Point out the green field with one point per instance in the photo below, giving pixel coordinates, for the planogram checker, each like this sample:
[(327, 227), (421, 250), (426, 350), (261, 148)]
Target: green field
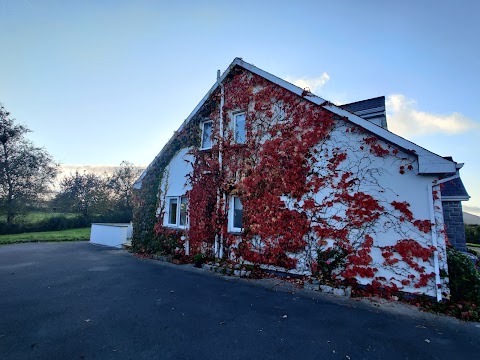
[(37, 216), (64, 235)]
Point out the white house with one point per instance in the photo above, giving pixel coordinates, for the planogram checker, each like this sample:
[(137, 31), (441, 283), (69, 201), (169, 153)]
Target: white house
[(268, 173)]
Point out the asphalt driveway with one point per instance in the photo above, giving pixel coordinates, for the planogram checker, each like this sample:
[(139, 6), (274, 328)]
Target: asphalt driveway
[(80, 301)]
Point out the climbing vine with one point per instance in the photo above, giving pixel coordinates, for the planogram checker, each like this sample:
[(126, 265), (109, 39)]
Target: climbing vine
[(148, 207), (309, 182)]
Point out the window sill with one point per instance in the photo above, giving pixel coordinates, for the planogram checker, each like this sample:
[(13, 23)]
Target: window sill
[(173, 226), (235, 231)]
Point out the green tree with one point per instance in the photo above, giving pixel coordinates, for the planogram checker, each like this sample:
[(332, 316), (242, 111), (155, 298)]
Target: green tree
[(26, 172), (121, 182), (472, 234), (85, 194)]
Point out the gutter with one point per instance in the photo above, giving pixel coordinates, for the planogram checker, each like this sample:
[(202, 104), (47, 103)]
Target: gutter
[(434, 234)]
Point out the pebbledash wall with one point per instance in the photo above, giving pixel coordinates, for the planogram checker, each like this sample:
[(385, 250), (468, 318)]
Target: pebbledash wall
[(387, 183), (406, 242), (380, 176)]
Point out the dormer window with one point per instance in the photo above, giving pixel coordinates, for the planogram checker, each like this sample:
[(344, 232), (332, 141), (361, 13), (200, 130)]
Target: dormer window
[(239, 128), (206, 135)]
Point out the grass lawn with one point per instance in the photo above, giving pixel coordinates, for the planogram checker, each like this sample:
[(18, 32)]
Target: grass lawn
[(64, 235)]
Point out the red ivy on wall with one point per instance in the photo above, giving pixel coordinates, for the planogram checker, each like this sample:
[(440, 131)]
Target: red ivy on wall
[(286, 161)]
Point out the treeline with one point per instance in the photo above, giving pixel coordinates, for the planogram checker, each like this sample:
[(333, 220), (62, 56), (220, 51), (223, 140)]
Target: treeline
[(472, 234), (29, 184), (88, 194)]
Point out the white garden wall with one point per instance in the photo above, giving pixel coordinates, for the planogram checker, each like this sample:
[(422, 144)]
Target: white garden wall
[(108, 234)]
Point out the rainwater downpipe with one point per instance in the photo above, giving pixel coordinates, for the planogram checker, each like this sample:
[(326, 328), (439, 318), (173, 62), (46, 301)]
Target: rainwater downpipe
[(219, 238), (434, 234)]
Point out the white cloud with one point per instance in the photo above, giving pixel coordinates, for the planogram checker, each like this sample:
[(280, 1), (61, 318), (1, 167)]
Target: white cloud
[(404, 119), (93, 169), (99, 170), (67, 169), (313, 84)]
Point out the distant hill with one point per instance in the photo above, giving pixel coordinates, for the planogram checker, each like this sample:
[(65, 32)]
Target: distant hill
[(470, 219)]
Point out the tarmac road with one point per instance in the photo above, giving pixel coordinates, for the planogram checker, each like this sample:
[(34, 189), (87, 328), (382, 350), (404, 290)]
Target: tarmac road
[(80, 301)]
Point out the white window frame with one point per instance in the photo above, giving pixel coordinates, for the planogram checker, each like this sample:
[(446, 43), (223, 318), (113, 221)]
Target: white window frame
[(178, 213), (202, 124), (234, 123), (231, 214)]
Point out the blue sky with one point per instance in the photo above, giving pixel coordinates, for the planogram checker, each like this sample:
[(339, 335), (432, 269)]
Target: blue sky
[(99, 82)]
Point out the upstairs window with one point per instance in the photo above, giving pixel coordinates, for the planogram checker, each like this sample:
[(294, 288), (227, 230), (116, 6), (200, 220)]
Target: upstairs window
[(206, 135), (177, 211), (239, 128), (235, 218)]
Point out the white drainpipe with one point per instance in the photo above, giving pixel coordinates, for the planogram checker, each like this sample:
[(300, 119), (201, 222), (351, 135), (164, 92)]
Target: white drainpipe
[(222, 101), (434, 234), (219, 239)]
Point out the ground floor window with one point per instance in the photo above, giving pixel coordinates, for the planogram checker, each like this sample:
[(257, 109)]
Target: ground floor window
[(177, 211), (235, 218)]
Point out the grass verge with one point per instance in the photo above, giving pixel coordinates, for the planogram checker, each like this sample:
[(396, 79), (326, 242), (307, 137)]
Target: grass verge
[(64, 235)]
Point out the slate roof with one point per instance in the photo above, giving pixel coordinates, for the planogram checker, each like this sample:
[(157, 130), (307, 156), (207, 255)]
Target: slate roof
[(362, 105), (371, 109), (454, 189)]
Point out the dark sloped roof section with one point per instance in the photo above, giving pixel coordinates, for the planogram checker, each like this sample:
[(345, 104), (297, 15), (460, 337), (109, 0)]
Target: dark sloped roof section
[(365, 104), (454, 189), (372, 110)]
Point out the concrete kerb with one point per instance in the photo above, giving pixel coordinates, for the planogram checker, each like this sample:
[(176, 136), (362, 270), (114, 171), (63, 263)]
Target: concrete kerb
[(373, 304)]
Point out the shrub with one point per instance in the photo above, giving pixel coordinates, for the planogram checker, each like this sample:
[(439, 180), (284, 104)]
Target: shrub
[(472, 234), (329, 262), (199, 259), (165, 241), (464, 278)]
